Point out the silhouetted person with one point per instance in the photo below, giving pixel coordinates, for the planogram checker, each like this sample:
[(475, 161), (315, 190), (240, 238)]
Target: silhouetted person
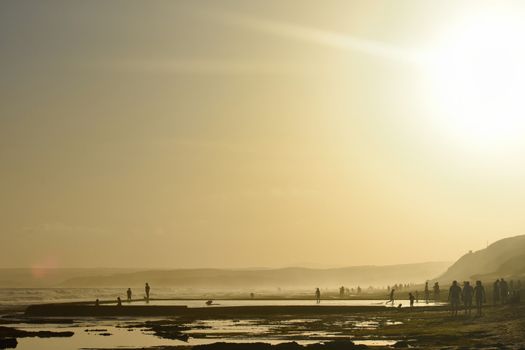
[(411, 297), (437, 292), (504, 291), (342, 292), (427, 293), (318, 295), (479, 296), (467, 295), (252, 295), (417, 296), (391, 298), (128, 292), (209, 302), (495, 292), (454, 297), (119, 302), (147, 289), (97, 302)]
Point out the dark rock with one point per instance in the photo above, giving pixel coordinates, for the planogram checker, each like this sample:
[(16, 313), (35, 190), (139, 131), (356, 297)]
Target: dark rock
[(401, 344), (234, 346), (336, 345), (8, 332), (96, 330), (8, 343)]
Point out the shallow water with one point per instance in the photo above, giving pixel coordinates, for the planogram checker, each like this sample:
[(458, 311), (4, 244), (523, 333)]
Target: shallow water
[(89, 333), (276, 302)]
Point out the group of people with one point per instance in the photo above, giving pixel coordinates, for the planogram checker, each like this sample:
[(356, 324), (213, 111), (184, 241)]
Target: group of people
[(129, 295), (504, 293), (466, 295)]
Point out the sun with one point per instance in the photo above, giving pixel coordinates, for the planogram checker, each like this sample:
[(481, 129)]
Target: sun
[(477, 75)]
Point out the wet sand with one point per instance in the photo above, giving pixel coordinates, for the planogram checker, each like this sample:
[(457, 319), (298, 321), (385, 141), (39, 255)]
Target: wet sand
[(420, 328)]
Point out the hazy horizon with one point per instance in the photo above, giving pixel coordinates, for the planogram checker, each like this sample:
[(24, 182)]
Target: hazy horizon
[(233, 133)]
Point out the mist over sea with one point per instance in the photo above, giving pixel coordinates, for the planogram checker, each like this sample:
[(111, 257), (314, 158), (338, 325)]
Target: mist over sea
[(27, 296)]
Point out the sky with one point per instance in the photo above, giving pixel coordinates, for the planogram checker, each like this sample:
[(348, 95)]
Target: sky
[(233, 133)]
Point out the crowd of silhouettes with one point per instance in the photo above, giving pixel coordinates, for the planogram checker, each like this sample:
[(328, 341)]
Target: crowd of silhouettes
[(503, 293)]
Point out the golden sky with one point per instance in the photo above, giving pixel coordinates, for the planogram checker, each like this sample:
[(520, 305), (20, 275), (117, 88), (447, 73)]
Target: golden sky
[(259, 133)]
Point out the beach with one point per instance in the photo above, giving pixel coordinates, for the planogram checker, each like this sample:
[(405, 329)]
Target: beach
[(288, 325)]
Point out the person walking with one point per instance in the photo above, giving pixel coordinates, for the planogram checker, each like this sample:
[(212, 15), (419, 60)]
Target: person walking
[(391, 298)]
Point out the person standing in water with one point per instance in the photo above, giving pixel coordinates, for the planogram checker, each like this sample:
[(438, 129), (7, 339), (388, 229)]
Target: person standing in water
[(318, 295), (479, 296), (147, 289), (391, 299), (128, 292), (466, 294)]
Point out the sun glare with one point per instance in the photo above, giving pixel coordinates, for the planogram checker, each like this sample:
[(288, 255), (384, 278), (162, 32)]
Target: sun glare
[(478, 73)]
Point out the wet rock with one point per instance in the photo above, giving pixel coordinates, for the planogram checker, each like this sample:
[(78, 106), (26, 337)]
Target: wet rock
[(9, 332), (401, 344), (236, 346), (95, 330), (8, 343), (334, 345)]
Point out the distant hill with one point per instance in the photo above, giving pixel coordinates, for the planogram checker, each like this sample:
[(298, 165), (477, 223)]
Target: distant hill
[(504, 258), (293, 277)]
